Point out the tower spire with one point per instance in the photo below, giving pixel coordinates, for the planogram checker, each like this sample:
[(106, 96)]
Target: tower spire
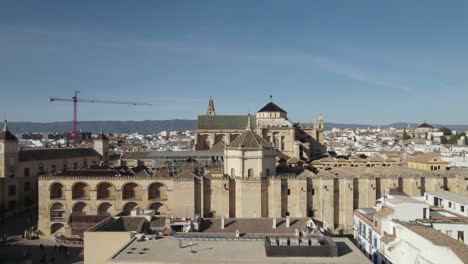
[(5, 125), (249, 126), (271, 98), (211, 108)]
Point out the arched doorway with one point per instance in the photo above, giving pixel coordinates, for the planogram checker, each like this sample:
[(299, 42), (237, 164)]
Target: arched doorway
[(105, 191), (57, 228), (131, 191), (104, 208), (129, 207), (157, 191), (57, 191), (159, 208), (81, 208), (80, 191), (57, 212)]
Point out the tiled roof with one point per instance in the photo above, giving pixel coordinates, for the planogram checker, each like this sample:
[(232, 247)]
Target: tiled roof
[(6, 134), (135, 155), (427, 158), (438, 238), (218, 147), (224, 121), (57, 153), (271, 107), (98, 172), (101, 136), (126, 223), (250, 139), (424, 125)]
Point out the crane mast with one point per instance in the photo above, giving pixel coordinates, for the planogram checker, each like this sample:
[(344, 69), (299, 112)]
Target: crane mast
[(75, 101)]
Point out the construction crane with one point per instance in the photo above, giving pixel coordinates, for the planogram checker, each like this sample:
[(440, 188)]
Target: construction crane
[(75, 101)]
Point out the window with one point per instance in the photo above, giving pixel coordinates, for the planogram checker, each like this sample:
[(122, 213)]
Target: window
[(375, 242), (12, 171), (26, 172), (75, 165), (462, 208), (53, 168), (426, 197), (461, 236), (85, 163), (11, 205), (450, 204), (40, 169), (282, 143), (233, 172), (425, 213), (11, 190), (449, 233), (65, 166), (289, 191), (250, 173), (267, 172), (27, 186)]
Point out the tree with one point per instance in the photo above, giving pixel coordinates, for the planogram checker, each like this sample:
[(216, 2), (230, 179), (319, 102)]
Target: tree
[(405, 135), (454, 138), (443, 140), (446, 131)]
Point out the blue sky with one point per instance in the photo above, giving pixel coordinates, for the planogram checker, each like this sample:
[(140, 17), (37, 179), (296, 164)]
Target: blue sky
[(369, 62)]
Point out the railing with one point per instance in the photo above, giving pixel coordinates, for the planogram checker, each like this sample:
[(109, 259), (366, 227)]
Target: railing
[(57, 219), (57, 197)]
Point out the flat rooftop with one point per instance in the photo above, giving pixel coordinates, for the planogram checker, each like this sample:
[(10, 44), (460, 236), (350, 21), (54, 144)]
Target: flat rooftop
[(167, 250), (250, 226), (450, 196)]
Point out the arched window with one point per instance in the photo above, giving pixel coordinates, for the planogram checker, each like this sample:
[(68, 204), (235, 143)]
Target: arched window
[(267, 172), (250, 173), (233, 172), (57, 191), (57, 211)]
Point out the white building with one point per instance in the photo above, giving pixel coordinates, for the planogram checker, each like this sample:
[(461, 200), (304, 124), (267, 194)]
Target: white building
[(417, 243), (449, 201), (373, 227), (403, 229)]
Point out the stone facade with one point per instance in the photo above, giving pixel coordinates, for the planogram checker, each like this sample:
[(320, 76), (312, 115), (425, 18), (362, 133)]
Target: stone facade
[(19, 169), (299, 141)]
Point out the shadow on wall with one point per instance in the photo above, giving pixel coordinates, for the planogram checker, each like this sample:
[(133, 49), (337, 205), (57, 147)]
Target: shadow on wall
[(343, 249)]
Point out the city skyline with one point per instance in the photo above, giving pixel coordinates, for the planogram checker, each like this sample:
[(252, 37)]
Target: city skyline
[(368, 63)]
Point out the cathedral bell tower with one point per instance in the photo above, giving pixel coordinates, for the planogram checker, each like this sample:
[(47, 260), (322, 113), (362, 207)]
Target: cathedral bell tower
[(9, 155), (249, 161), (211, 108), (101, 145)]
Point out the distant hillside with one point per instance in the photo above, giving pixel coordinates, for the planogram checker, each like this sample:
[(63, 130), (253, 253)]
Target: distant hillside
[(155, 126), (146, 126), (399, 125)]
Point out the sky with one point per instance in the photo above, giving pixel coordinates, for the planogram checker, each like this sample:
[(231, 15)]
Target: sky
[(368, 62)]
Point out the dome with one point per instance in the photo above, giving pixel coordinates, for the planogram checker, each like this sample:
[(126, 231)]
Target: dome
[(424, 125)]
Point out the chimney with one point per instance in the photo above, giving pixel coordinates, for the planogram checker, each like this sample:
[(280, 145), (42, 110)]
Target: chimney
[(274, 223), (222, 222), (287, 221)]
